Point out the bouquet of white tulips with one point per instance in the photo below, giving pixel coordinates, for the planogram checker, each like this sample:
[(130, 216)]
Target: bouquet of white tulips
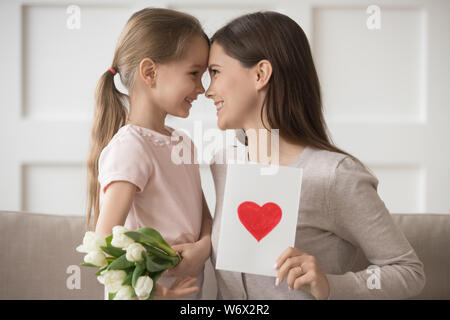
[(130, 262)]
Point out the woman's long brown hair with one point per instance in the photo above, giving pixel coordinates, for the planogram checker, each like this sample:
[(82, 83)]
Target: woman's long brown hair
[(293, 103), (156, 33)]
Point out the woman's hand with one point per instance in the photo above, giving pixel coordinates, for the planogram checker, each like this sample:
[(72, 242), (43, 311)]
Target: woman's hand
[(194, 257), (181, 287), (301, 269)]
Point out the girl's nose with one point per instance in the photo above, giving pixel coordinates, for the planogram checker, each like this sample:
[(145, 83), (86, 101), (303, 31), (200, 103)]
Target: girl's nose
[(202, 89)]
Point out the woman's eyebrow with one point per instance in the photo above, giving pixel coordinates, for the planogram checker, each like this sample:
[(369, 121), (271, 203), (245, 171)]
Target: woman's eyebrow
[(213, 65)]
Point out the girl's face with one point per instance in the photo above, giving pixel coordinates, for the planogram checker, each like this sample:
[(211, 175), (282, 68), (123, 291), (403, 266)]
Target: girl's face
[(178, 83), (233, 90)]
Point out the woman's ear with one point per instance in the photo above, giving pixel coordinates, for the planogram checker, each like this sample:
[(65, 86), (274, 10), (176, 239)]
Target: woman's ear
[(263, 72), (147, 71)]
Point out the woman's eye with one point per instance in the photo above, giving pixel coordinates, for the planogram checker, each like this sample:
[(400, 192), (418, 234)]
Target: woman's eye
[(214, 71), (194, 73)]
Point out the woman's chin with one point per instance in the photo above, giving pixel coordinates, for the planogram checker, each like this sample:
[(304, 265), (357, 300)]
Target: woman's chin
[(221, 124)]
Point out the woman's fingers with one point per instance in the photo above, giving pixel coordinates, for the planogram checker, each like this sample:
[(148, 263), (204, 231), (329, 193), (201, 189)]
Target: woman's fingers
[(303, 280), (287, 265), (289, 252), (293, 274)]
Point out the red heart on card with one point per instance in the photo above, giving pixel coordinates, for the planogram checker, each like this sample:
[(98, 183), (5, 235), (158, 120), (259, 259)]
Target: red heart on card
[(259, 221)]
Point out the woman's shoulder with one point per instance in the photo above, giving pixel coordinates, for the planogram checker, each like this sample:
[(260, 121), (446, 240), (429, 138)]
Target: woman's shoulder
[(331, 168), (344, 170), (332, 160)]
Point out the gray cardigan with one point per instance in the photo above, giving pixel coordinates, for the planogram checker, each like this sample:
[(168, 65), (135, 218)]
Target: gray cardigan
[(340, 210)]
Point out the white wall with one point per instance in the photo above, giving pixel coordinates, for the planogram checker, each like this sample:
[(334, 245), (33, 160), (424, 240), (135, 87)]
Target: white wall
[(385, 92)]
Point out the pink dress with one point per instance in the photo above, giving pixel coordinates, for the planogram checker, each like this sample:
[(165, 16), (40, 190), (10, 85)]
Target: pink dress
[(169, 196)]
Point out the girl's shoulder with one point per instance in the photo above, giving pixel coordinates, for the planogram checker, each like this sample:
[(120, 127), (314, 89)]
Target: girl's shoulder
[(125, 142)]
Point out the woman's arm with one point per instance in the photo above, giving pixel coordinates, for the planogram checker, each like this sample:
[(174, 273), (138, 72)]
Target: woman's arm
[(362, 218)]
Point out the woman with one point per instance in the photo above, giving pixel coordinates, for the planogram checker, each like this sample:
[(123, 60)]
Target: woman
[(263, 77)]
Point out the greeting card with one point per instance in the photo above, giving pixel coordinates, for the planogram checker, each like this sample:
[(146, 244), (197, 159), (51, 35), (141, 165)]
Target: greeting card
[(259, 217)]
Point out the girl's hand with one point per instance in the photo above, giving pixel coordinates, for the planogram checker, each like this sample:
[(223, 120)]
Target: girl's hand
[(181, 287), (302, 269), (194, 257)]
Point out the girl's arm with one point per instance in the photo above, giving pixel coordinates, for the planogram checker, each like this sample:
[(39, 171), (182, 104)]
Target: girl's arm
[(115, 207), (116, 204), (205, 233), (195, 254)]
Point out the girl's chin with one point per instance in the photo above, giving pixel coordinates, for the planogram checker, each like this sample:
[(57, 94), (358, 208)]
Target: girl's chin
[(185, 114)]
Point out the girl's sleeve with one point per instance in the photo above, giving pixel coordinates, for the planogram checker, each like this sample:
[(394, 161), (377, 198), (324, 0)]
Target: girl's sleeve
[(124, 160), (362, 218)]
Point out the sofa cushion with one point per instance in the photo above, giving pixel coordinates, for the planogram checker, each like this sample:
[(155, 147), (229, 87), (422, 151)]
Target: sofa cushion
[(429, 235), (38, 258)]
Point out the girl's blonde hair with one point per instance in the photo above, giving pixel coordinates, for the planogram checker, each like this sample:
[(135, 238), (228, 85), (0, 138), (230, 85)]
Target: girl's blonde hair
[(156, 33)]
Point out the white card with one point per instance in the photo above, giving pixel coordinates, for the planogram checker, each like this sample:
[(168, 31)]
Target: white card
[(259, 217)]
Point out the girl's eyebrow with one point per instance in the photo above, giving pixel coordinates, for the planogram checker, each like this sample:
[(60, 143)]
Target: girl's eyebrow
[(198, 66)]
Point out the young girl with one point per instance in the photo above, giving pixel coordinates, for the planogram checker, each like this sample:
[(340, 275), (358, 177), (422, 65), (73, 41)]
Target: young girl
[(263, 77), (160, 57)]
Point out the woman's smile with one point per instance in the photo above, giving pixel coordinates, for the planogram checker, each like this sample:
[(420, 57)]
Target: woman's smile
[(219, 106)]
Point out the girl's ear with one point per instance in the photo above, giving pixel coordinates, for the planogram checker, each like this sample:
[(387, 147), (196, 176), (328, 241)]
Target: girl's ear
[(263, 72), (147, 71)]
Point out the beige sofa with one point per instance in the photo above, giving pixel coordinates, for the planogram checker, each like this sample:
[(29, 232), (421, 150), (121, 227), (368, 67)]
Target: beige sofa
[(39, 261)]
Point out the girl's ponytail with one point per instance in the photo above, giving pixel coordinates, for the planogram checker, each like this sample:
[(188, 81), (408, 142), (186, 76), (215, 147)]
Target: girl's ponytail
[(157, 33), (110, 114)]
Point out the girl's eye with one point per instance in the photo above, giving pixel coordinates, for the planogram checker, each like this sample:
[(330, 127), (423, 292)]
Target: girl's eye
[(214, 71), (194, 73)]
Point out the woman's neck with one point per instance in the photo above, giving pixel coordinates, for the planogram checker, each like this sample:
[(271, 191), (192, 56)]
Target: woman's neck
[(269, 147)]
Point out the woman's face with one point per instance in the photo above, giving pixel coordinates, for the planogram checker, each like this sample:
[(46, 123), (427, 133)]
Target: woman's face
[(233, 90)]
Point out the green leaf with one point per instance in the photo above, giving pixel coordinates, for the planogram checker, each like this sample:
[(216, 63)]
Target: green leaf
[(153, 234), (127, 280), (108, 240), (86, 264), (161, 254), (110, 259), (151, 237), (100, 270), (111, 296), (120, 263), (155, 264), (140, 268), (155, 276), (113, 251)]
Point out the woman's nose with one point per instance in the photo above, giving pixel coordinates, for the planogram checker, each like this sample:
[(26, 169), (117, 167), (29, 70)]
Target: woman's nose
[(209, 93)]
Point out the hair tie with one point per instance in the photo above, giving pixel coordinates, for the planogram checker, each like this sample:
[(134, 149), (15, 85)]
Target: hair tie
[(112, 70)]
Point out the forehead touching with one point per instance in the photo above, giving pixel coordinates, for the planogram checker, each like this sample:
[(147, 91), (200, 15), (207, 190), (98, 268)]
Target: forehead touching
[(196, 55), (219, 58)]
